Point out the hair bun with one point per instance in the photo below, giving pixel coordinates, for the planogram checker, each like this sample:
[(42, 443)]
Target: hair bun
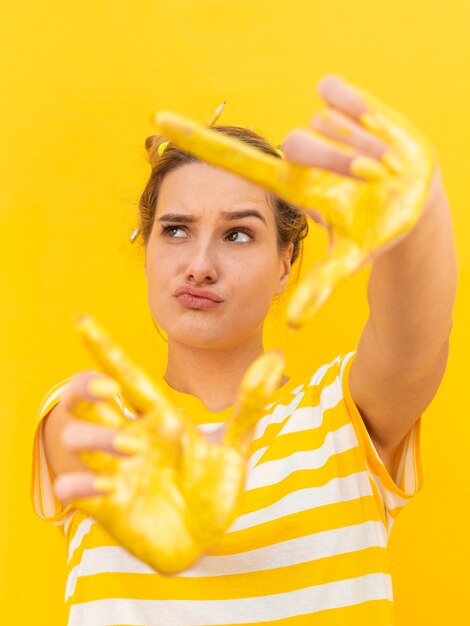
[(150, 141), (151, 145)]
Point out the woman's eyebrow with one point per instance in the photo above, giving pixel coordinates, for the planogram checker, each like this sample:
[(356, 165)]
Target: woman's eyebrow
[(228, 215), (236, 215), (176, 217)]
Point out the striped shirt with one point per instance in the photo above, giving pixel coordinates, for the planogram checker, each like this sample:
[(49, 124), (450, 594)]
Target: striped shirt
[(308, 547)]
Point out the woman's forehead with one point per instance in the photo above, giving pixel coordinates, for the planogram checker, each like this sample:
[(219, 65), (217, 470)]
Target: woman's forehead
[(198, 186)]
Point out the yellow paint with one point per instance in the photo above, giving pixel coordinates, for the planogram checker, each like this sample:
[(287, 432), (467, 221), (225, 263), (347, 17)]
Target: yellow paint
[(100, 412), (369, 121), (104, 484), (345, 131), (103, 387), (392, 161), (123, 442), (367, 168), (261, 379), (345, 258), (170, 472), (162, 147), (334, 143)]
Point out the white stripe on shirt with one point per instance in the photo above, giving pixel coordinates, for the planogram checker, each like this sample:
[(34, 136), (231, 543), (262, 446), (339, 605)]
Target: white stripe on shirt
[(332, 595), (312, 547), (272, 472), (344, 489)]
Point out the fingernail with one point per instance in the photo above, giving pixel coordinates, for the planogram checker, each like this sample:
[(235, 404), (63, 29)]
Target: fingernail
[(370, 122), (367, 168), (103, 387), (393, 162), (123, 442), (103, 484)]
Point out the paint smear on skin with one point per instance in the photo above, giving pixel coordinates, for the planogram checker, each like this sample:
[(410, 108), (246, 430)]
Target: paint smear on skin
[(334, 143), (326, 117), (344, 131)]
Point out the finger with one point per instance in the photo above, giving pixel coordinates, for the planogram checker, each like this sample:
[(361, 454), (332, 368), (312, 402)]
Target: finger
[(136, 385), (221, 150), (98, 461), (304, 147), (101, 447), (77, 485), (162, 417), (407, 142), (97, 446), (339, 94), (100, 412), (355, 103), (303, 186), (308, 148), (404, 139), (78, 436), (259, 382), (94, 397), (346, 257), (339, 126)]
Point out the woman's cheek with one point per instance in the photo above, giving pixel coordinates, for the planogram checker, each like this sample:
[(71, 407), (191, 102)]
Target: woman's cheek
[(258, 294), (159, 299)]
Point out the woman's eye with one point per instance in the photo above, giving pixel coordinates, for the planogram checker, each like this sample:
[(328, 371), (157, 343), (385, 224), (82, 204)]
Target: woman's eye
[(168, 229), (247, 234)]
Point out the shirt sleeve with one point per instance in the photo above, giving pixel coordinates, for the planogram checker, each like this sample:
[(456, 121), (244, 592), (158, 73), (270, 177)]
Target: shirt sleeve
[(392, 491), (45, 503)]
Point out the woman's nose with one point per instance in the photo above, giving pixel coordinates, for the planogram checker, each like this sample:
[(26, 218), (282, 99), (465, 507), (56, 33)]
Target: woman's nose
[(201, 263)]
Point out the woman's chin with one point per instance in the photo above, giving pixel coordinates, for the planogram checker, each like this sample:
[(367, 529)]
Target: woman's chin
[(213, 338)]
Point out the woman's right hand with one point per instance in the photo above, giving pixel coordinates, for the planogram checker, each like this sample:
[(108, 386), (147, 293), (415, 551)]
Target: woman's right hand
[(369, 188)]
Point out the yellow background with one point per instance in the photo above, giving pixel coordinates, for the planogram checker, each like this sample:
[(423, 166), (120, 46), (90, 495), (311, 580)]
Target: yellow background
[(79, 84)]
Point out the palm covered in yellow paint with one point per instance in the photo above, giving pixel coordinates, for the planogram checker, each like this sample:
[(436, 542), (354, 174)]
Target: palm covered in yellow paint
[(365, 207), (173, 493)]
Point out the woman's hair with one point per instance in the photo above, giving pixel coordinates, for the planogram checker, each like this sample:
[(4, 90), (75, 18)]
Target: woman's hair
[(291, 222)]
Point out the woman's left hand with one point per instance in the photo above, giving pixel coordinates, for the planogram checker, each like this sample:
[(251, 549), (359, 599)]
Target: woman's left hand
[(164, 489), (361, 169)]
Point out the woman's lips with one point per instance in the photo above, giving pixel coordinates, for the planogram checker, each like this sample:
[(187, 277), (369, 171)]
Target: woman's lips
[(194, 302), (197, 298)]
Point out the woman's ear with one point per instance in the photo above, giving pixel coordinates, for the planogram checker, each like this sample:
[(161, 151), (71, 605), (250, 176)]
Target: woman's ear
[(285, 267)]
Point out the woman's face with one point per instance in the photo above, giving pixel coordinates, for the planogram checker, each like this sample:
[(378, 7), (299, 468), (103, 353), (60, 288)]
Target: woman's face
[(235, 258)]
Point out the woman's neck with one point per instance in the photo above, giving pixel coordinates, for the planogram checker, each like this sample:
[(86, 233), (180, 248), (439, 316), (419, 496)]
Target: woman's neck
[(213, 376)]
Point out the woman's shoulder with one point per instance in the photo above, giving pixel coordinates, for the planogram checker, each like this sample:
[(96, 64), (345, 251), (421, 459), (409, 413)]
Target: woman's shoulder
[(320, 375), (318, 388)]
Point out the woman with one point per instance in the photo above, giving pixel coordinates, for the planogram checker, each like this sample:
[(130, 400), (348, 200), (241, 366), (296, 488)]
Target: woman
[(334, 458)]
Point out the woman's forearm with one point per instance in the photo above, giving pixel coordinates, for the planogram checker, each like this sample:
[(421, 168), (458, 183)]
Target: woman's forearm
[(412, 288)]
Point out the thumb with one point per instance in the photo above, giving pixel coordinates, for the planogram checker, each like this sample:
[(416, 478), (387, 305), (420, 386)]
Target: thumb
[(346, 257), (259, 382)]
